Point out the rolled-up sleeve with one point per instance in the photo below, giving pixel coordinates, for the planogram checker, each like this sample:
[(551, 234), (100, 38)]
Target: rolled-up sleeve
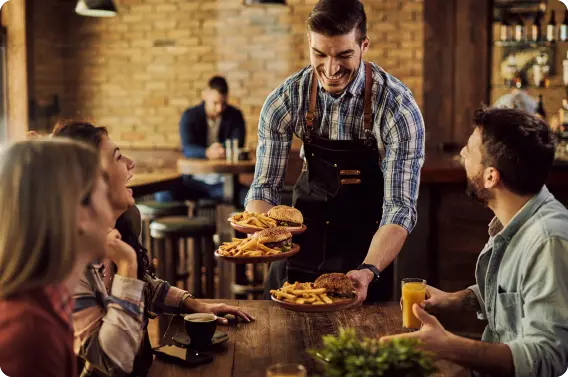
[(162, 298), (481, 313), (543, 348), (274, 141), (403, 136)]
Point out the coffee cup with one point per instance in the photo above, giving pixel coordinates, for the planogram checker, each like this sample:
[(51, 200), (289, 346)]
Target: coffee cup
[(200, 327)]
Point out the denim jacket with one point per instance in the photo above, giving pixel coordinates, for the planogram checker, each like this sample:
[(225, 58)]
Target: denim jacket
[(522, 286)]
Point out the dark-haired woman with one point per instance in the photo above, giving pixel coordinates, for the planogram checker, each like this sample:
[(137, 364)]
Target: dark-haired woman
[(118, 295)]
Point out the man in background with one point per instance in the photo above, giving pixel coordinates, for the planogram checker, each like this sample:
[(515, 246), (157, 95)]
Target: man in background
[(204, 130)]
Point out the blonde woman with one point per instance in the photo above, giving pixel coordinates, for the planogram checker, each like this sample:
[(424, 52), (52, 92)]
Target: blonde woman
[(55, 212)]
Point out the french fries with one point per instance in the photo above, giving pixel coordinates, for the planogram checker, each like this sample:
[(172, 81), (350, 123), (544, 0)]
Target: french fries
[(248, 247), (302, 293), (253, 220)]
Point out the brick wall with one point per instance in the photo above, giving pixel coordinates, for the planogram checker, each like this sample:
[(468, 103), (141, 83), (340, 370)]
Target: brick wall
[(138, 72)]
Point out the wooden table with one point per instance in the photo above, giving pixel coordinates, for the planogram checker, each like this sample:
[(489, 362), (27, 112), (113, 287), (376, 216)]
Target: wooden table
[(149, 183), (231, 170), (281, 336)]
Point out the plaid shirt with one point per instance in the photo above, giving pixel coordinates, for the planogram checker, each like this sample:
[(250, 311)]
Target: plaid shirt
[(398, 129)]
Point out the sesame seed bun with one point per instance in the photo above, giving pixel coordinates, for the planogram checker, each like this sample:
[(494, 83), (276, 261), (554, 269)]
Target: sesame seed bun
[(286, 214), (272, 235)]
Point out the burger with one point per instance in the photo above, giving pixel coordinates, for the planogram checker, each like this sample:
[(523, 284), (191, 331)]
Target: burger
[(275, 238), (338, 285), (286, 216)]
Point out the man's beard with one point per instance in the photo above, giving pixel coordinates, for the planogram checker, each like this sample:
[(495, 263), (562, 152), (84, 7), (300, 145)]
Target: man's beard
[(476, 190)]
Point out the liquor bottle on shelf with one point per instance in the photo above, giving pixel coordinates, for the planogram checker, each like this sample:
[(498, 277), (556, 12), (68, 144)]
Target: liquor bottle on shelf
[(542, 70), (564, 28), (505, 29), (563, 131), (540, 108), (519, 29), (551, 30), (535, 34)]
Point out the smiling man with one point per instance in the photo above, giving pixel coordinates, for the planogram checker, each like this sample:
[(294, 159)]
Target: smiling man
[(521, 289), (363, 148)]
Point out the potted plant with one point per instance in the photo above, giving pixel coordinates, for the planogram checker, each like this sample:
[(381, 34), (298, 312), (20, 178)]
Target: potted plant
[(346, 356)]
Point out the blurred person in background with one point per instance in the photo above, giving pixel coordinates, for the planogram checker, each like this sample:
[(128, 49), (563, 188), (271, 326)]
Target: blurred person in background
[(204, 130)]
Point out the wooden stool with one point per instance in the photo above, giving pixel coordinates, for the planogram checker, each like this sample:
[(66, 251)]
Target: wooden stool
[(207, 207), (168, 232), (151, 210)]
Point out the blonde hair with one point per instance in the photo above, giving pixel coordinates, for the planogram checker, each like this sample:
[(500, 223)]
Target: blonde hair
[(42, 182)]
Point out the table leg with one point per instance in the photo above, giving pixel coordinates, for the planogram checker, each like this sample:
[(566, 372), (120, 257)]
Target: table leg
[(230, 189)]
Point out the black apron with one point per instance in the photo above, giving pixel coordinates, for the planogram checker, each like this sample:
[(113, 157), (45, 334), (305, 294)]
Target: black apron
[(340, 194)]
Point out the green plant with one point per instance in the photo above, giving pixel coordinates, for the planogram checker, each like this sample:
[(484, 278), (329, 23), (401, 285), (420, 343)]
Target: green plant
[(345, 356)]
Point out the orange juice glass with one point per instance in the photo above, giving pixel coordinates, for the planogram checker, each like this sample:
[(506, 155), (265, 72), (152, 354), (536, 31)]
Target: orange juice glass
[(413, 292)]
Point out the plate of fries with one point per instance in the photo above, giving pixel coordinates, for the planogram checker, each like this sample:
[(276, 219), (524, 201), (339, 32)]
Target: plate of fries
[(304, 297), (252, 222), (249, 250)]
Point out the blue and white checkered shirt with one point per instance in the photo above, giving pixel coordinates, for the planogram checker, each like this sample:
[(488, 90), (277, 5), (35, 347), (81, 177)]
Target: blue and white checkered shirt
[(398, 128)]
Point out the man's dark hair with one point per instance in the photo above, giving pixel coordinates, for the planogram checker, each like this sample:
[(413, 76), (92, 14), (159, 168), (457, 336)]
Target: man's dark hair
[(338, 17), (519, 145), (219, 84)]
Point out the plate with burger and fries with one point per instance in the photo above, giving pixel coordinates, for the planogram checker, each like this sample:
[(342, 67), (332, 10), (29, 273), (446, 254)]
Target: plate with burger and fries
[(328, 293), (266, 246), (278, 216)]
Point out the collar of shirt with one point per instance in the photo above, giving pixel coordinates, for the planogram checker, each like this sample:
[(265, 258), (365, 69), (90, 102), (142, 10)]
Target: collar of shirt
[(520, 218), (61, 301), (356, 86)]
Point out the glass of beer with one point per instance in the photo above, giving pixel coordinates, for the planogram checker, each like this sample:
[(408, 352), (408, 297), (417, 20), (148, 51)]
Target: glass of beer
[(286, 370), (413, 292)]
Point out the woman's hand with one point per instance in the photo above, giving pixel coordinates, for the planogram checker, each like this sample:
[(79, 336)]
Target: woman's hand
[(219, 310), (121, 254)]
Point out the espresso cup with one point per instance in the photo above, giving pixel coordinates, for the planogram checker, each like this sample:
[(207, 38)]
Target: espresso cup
[(200, 327)]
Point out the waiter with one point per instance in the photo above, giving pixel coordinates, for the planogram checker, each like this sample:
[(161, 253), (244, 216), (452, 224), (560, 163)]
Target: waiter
[(363, 148)]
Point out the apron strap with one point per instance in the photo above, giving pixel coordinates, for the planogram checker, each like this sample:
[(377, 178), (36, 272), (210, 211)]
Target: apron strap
[(368, 114), (310, 115), (368, 111)]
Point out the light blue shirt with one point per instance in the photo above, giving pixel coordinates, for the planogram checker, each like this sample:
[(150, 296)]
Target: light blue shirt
[(522, 286)]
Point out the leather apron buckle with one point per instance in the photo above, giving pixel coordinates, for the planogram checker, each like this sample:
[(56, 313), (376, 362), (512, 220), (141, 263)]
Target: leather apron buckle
[(350, 181)]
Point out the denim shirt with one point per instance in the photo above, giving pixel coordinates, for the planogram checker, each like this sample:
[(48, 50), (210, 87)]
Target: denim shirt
[(522, 286)]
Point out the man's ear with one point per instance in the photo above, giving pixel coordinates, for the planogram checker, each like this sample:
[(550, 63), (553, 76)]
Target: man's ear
[(491, 178), (365, 45)]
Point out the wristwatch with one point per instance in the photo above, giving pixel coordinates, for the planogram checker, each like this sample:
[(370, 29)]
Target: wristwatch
[(373, 269)]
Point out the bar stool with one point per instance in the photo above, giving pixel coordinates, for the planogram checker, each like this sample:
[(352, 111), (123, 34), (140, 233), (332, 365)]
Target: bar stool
[(151, 210), (207, 207), (168, 233)]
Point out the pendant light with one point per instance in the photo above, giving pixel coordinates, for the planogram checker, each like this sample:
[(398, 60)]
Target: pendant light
[(96, 8), (264, 2)]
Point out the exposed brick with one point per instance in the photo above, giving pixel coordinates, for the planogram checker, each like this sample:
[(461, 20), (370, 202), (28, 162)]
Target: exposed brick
[(137, 72)]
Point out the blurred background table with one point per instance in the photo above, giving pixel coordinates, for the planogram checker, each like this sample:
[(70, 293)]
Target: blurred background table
[(143, 184), (231, 170)]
